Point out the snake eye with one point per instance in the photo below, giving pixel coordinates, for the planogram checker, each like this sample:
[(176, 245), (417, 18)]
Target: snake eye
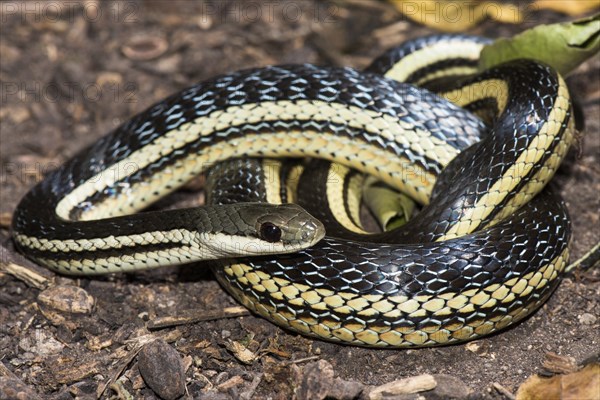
[(270, 232)]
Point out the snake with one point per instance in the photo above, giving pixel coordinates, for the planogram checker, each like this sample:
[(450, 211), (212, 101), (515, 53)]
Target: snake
[(488, 248)]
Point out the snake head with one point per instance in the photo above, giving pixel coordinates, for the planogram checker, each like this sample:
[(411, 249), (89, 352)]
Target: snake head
[(253, 229), (290, 225)]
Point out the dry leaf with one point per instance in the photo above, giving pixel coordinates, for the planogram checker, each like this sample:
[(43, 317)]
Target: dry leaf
[(584, 384)]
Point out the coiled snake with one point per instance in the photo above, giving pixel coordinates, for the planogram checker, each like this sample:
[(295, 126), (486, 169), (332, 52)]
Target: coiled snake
[(487, 249)]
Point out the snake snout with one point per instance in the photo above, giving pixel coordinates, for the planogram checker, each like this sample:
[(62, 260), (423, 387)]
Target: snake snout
[(313, 231), (302, 230)]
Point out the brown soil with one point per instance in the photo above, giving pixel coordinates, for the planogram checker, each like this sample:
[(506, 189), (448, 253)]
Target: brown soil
[(70, 74)]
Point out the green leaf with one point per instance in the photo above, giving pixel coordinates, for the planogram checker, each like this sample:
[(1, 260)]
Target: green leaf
[(390, 208), (563, 46)]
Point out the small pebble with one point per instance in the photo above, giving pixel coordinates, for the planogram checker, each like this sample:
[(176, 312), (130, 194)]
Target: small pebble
[(162, 369), (449, 387), (587, 319), (40, 343)]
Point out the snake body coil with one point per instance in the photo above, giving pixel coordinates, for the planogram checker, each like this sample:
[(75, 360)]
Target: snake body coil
[(482, 257)]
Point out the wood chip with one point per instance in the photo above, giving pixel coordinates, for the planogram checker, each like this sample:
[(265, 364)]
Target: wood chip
[(414, 384), (66, 371), (68, 299), (230, 383), (96, 343), (559, 364), (24, 274), (241, 352)]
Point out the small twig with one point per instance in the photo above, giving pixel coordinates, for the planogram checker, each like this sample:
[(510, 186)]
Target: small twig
[(197, 316), (503, 391), (136, 346), (301, 360), (118, 371)]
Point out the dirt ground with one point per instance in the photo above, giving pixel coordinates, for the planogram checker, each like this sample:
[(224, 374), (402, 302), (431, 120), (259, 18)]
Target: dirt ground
[(70, 72)]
